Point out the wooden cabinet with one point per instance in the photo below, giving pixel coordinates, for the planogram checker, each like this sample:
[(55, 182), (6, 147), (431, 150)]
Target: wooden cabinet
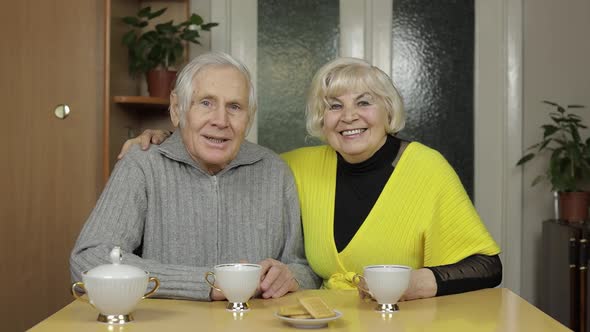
[(564, 273), (128, 109)]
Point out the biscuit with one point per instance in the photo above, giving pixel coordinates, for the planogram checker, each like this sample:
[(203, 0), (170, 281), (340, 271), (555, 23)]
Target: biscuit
[(317, 307), (293, 310)]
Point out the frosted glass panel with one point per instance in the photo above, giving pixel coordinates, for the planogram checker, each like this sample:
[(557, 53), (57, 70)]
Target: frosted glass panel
[(433, 43), (295, 38)]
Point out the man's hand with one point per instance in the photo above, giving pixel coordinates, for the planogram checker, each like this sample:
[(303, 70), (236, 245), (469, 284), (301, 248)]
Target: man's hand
[(216, 295), (149, 136), (276, 279)]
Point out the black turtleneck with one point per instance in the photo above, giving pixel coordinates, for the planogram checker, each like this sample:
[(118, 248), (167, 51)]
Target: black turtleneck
[(357, 188)]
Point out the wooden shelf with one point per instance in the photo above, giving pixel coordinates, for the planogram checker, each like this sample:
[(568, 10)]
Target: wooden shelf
[(142, 102)]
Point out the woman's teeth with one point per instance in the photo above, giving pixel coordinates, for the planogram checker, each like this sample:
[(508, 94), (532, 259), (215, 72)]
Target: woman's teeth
[(352, 132)]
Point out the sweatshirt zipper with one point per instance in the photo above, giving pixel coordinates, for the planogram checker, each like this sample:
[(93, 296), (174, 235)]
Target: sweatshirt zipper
[(218, 222)]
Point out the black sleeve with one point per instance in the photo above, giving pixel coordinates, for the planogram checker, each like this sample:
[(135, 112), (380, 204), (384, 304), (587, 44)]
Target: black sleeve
[(472, 273)]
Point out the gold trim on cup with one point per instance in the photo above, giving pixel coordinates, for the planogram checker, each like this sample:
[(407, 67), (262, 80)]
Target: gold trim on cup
[(387, 308), (237, 306), (156, 286), (115, 319), (75, 292), (211, 284)]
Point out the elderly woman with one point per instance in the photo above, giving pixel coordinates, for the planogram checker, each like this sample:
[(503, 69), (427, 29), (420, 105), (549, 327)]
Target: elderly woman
[(368, 197), (202, 198)]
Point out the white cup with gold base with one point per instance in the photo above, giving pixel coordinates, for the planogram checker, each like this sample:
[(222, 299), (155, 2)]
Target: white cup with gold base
[(237, 281), (115, 289)]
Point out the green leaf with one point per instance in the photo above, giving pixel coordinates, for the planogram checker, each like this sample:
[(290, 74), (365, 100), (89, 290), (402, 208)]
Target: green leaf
[(150, 37), (525, 158), (196, 19), (538, 179), (156, 14), (568, 120), (550, 103), (165, 27), (129, 38), (208, 26), (575, 133), (560, 109), (557, 120), (549, 130), (134, 21), (144, 12), (544, 144), (575, 106), (189, 34)]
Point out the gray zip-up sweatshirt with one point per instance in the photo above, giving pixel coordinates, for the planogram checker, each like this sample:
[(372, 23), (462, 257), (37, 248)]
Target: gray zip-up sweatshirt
[(187, 221)]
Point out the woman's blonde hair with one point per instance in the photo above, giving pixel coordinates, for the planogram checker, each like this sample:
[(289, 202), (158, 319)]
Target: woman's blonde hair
[(346, 75)]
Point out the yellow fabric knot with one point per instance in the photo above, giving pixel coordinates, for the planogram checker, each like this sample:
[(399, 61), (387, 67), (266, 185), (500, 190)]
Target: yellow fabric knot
[(340, 281)]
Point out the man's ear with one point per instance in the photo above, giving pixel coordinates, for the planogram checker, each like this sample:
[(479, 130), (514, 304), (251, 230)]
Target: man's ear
[(174, 112)]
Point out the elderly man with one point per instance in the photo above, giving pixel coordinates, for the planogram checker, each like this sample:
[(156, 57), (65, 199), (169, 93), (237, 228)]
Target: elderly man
[(203, 197)]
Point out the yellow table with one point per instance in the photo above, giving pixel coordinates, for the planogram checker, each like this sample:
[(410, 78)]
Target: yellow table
[(486, 310)]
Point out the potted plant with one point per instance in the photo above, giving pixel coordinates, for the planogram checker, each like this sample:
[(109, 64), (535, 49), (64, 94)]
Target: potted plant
[(156, 50), (569, 162)]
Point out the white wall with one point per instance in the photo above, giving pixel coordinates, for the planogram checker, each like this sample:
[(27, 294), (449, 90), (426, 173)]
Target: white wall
[(556, 64)]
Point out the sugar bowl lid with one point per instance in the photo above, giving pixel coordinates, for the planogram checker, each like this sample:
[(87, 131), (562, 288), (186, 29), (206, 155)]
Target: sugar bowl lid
[(116, 270)]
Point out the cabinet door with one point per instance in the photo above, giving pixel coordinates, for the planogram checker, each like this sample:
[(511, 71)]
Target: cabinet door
[(52, 53), (555, 293)]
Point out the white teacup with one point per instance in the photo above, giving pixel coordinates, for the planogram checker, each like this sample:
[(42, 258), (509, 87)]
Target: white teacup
[(237, 281), (115, 289), (386, 283)]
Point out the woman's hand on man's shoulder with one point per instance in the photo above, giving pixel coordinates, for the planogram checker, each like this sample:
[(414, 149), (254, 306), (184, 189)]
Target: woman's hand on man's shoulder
[(148, 137)]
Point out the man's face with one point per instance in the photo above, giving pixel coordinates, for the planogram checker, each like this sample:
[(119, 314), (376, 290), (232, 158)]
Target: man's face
[(216, 122)]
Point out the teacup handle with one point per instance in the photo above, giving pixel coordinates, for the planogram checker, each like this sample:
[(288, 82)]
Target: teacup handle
[(211, 284), (156, 286), (357, 281), (75, 292)]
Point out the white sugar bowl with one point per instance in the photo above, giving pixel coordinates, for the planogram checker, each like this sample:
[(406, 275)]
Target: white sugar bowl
[(115, 289)]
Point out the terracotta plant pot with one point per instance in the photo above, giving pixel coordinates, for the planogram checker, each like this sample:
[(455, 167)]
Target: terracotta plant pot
[(573, 206), (160, 82)]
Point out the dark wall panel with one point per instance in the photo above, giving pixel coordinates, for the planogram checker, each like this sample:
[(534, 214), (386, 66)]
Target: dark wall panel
[(433, 47), (295, 38)]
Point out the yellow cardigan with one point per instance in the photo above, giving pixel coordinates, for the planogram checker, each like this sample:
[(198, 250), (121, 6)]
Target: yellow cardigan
[(423, 216)]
